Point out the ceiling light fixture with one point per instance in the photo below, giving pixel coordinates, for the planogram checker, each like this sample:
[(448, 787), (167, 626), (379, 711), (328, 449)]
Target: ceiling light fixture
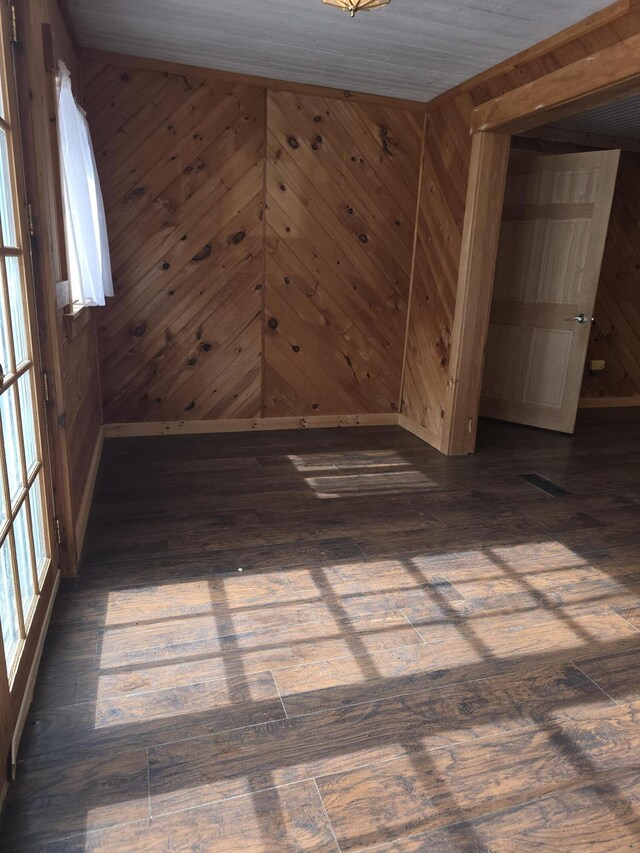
[(353, 6)]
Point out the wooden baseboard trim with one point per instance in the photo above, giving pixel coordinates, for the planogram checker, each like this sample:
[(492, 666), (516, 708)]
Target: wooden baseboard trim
[(138, 430), (247, 425), (85, 506), (420, 432), (608, 402)]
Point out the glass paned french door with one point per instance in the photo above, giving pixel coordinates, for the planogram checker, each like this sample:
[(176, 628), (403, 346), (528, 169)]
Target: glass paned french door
[(25, 528)]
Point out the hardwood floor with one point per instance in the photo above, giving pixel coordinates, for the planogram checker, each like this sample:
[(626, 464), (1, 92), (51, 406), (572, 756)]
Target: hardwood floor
[(340, 640)]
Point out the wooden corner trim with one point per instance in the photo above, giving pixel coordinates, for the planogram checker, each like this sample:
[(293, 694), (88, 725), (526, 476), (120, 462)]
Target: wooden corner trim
[(85, 505)]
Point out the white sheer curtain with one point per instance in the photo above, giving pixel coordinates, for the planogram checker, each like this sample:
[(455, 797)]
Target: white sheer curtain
[(88, 261)]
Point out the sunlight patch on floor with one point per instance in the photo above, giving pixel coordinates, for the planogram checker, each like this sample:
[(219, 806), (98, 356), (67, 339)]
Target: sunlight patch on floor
[(331, 461), (392, 482)]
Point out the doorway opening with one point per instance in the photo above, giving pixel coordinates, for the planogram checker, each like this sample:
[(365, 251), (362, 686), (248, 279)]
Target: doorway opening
[(564, 326)]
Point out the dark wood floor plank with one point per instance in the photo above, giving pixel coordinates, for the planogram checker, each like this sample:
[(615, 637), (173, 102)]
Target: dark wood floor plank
[(455, 650), (617, 673), (632, 615), (281, 820), (143, 571), (389, 577), (425, 738), (424, 790), (600, 817), (58, 801), (116, 724), (120, 668), (283, 645), (291, 750)]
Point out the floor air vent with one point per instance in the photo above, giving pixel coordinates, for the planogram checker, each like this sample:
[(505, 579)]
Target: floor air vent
[(544, 485)]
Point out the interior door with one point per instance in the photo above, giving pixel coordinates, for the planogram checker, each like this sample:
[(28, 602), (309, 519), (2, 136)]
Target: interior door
[(554, 227), (26, 544)]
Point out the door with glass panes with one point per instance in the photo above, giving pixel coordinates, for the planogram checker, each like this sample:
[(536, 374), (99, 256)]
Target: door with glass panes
[(26, 544)]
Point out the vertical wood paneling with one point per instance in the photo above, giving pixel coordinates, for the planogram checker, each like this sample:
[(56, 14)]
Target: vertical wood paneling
[(441, 216), (341, 193)]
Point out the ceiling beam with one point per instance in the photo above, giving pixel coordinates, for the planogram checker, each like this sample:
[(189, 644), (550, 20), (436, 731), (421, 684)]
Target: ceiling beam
[(555, 42), (598, 79)]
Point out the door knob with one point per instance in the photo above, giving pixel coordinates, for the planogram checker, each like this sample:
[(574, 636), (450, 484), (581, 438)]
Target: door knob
[(579, 318)]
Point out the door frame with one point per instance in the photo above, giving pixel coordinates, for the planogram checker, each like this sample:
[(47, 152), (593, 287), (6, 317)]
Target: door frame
[(35, 72), (598, 79), (14, 697)]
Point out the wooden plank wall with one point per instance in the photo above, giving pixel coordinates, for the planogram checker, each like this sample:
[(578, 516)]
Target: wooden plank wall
[(442, 206), (341, 200), (181, 161), (261, 247), (69, 351)]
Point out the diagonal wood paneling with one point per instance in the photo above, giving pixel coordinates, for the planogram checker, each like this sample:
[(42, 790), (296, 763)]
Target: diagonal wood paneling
[(438, 244), (442, 205), (202, 276), (181, 162), (341, 187), (615, 336)]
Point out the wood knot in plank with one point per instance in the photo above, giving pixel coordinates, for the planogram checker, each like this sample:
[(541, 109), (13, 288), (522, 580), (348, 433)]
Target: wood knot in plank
[(384, 139), (204, 253), (136, 192)]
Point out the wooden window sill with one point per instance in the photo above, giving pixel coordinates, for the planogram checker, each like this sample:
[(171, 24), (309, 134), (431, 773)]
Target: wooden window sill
[(76, 322)]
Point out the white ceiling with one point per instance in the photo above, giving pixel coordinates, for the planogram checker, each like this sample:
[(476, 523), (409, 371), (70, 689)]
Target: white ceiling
[(409, 49), (621, 118)]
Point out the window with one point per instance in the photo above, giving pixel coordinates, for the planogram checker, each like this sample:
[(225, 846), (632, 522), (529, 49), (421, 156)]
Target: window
[(26, 545), (89, 267)]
